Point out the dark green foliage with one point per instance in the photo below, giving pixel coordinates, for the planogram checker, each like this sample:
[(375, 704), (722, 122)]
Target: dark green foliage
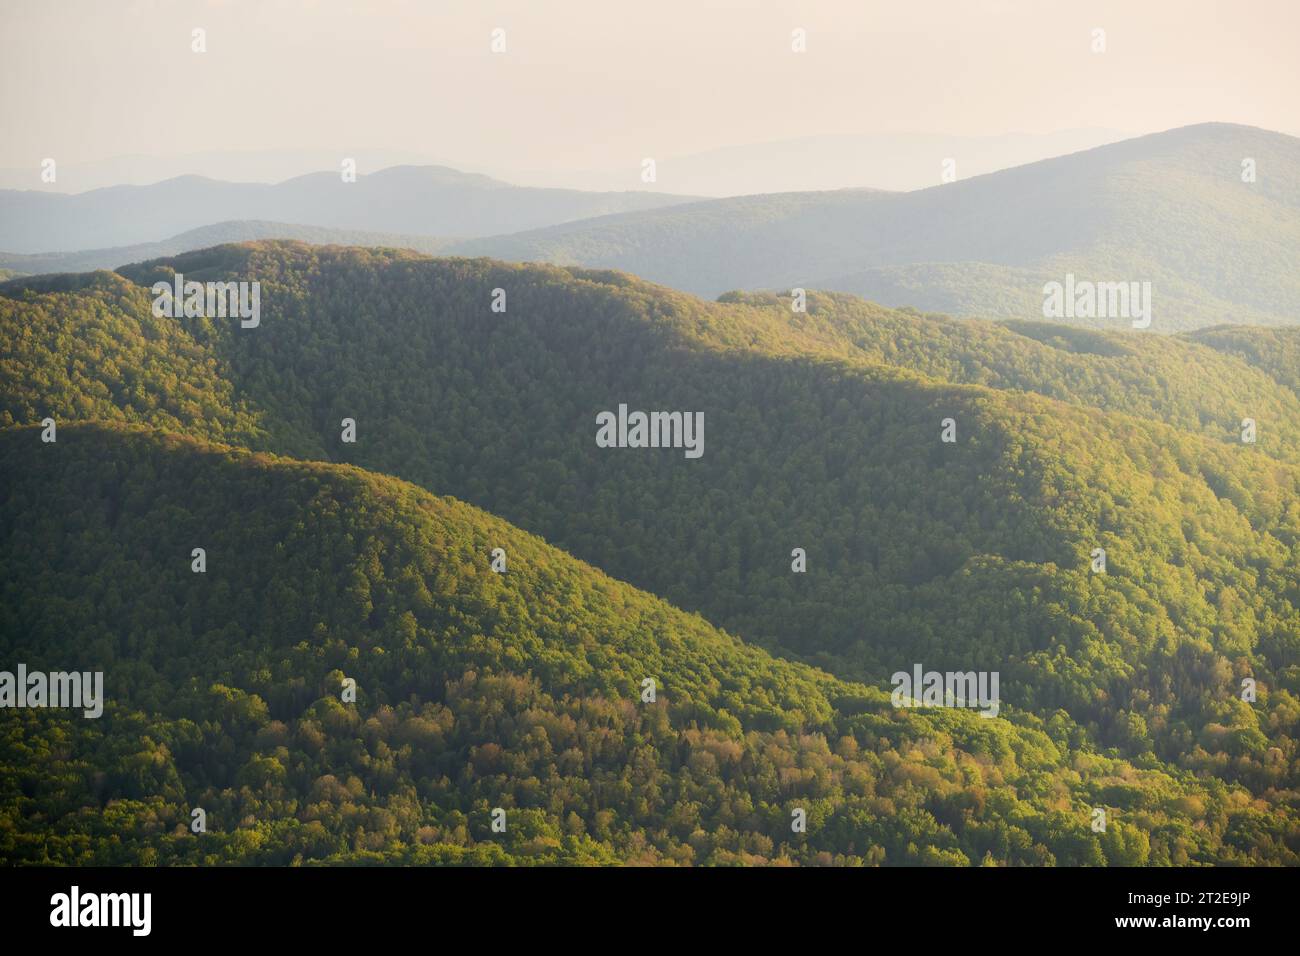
[(1275, 351), (822, 432), (475, 690)]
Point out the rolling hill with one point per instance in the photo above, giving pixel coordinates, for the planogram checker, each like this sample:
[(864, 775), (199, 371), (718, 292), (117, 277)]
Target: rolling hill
[(475, 691), (1170, 209), (420, 200), (458, 442), (823, 433)]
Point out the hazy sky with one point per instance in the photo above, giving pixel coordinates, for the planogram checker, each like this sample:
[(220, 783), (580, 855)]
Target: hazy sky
[(601, 83)]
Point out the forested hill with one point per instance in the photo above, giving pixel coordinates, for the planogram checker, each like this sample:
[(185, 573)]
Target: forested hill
[(1275, 351), (1202, 381), (521, 691), (822, 432)]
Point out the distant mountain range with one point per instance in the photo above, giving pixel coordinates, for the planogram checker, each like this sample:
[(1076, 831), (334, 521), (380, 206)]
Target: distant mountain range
[(879, 160), (893, 161), (1170, 208), (423, 200)]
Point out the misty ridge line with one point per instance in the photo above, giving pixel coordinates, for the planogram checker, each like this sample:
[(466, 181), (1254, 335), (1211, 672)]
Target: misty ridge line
[(726, 163), (934, 160), (423, 201), (968, 246)]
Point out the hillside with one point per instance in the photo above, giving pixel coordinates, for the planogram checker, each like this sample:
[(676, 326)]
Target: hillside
[(1170, 209), (966, 555), (1188, 382), (1126, 372), (475, 690), (420, 200), (1275, 352)]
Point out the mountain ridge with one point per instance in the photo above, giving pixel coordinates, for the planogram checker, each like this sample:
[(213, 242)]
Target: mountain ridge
[(427, 201), (1037, 484), (987, 244), (823, 433)]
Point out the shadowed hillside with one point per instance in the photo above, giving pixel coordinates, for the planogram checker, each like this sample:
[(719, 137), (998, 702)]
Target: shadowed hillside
[(474, 691), (974, 554)]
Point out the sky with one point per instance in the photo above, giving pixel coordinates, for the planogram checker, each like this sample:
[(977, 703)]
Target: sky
[(602, 84)]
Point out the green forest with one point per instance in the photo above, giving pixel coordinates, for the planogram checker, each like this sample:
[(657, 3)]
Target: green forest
[(476, 690)]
